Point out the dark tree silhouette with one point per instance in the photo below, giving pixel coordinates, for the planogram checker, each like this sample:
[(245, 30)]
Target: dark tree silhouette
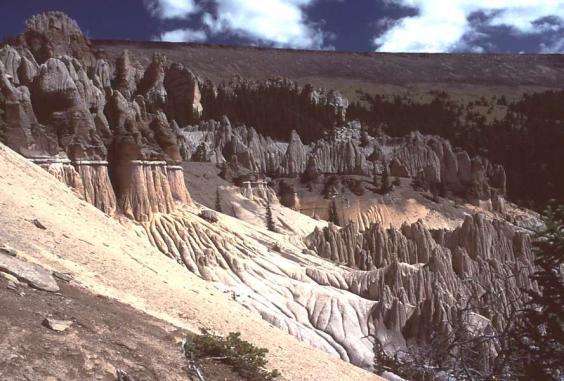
[(269, 219), (333, 212), (218, 201), (541, 334)]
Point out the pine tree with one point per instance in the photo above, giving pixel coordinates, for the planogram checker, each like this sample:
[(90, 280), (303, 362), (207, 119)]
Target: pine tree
[(269, 219), (541, 342), (218, 201), (201, 154), (386, 186), (375, 180), (333, 214)]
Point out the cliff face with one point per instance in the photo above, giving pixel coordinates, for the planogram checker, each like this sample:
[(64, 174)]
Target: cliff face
[(62, 108)]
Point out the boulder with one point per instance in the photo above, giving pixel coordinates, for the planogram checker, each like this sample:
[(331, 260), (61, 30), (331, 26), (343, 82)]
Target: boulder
[(30, 273)]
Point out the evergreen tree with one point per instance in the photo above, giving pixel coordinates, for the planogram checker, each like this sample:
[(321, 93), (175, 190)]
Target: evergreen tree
[(269, 219), (333, 214), (375, 180), (386, 186), (364, 139), (201, 154), (217, 201), (541, 343)]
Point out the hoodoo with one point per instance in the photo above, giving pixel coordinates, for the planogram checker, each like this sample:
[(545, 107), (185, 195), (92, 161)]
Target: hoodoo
[(344, 239)]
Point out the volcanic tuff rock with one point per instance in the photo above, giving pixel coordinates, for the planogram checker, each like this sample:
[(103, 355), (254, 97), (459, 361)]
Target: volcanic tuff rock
[(54, 34), (428, 158), (66, 108), (111, 131), (184, 97)]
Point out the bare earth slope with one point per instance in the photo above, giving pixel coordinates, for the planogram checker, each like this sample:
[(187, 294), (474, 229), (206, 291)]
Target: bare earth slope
[(105, 336), (110, 259), (470, 73)]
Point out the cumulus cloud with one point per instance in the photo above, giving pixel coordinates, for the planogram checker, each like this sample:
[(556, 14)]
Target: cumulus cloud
[(171, 9), (555, 45), (279, 23), (445, 26), (184, 35), (282, 23)]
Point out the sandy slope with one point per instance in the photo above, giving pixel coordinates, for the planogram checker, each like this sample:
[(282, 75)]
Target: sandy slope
[(113, 259)]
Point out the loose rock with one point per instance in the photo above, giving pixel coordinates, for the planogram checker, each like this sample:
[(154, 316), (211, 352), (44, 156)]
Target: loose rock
[(57, 325), (34, 275)]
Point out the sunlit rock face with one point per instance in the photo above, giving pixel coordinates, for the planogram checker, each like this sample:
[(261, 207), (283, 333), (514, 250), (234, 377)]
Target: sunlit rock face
[(65, 113), (54, 34), (118, 133)]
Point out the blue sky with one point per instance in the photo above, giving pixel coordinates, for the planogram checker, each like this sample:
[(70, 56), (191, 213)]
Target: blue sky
[(478, 26)]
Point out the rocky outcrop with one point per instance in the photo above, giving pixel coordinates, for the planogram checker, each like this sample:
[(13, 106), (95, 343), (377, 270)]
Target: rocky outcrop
[(410, 268), (30, 273), (54, 34), (63, 171), (434, 161), (184, 97), (294, 161), (127, 76), (151, 86), (414, 279), (61, 104), (98, 189), (175, 175), (145, 190), (339, 156), (65, 114), (22, 131)]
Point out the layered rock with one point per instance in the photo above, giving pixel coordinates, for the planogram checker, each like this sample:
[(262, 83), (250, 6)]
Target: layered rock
[(54, 34), (146, 190), (63, 171), (66, 108), (98, 189)]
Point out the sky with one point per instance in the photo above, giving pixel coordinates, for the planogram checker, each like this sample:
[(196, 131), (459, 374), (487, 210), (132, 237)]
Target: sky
[(432, 26)]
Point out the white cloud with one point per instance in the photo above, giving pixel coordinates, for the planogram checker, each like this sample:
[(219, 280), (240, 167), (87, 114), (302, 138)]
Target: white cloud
[(171, 9), (555, 46), (184, 35), (280, 23), (441, 25)]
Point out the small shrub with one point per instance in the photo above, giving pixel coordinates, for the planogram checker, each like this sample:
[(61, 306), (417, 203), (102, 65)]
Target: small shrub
[(208, 215), (201, 154), (245, 358)]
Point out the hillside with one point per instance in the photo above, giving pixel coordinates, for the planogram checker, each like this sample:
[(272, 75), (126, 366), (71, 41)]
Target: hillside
[(113, 259), (331, 233), (370, 72)]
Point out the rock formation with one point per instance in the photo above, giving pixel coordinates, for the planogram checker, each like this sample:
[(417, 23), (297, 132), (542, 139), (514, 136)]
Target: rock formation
[(54, 34), (116, 133), (184, 97), (65, 115)]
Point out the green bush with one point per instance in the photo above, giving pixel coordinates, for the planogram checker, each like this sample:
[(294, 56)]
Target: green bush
[(245, 358)]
